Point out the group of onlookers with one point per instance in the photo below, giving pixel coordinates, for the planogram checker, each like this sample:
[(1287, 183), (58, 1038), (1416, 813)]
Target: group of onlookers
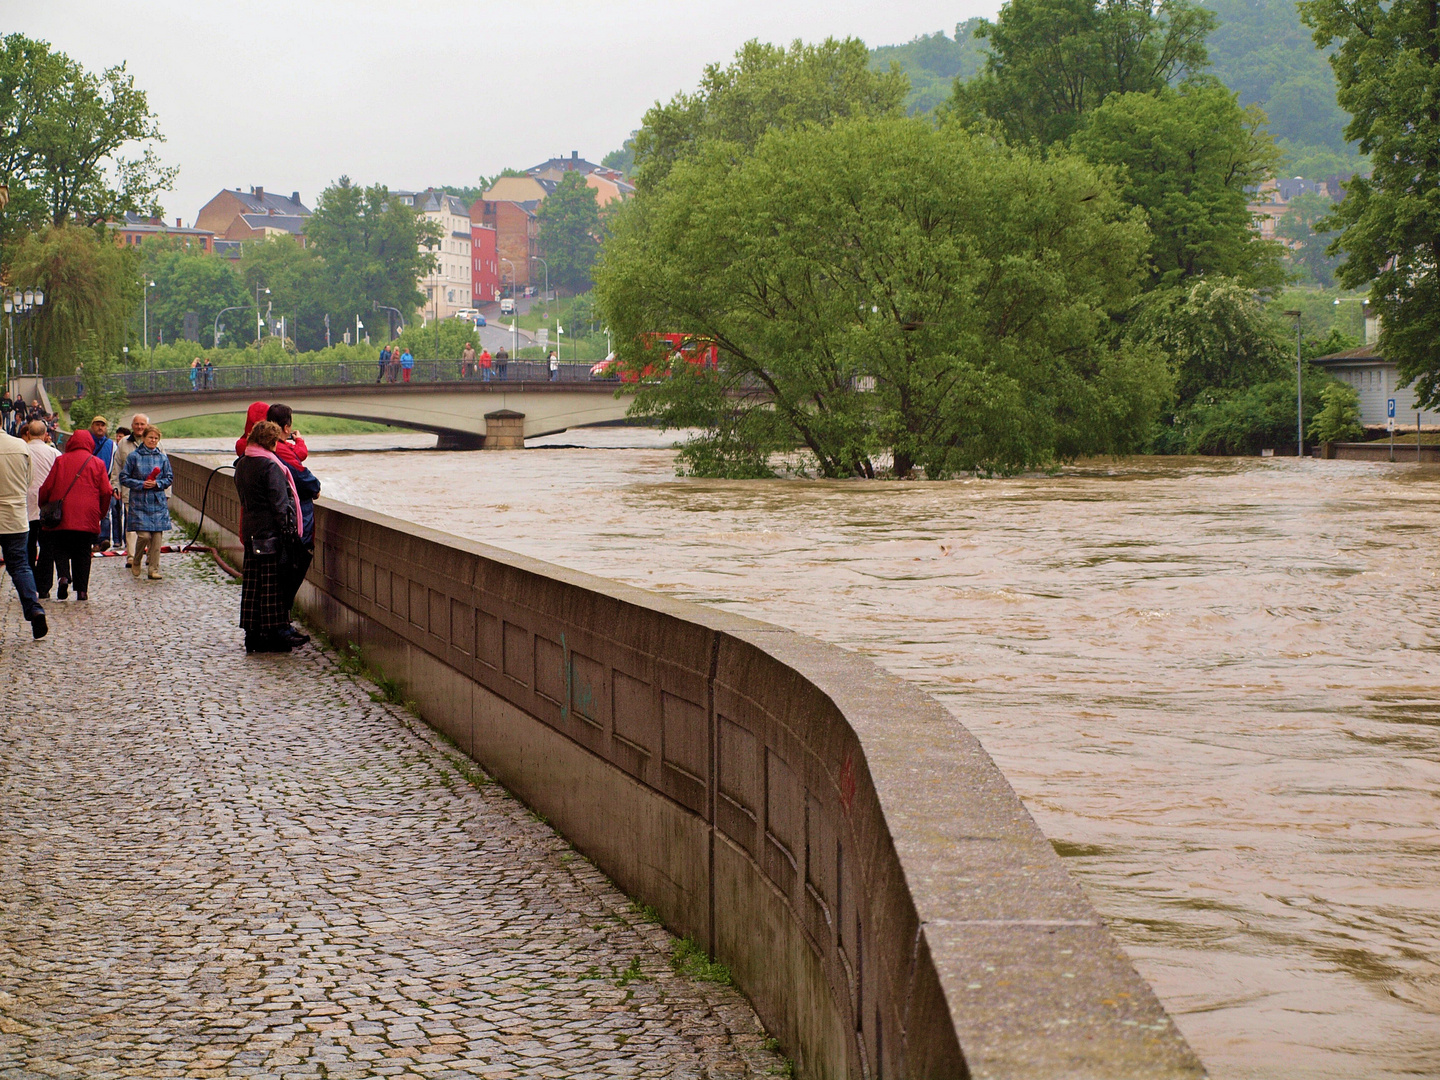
[(396, 364), (58, 508), (277, 525), (202, 374), (15, 414)]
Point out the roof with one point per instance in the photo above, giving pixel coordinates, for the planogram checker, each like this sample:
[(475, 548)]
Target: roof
[(431, 201), (1365, 353), (291, 223), (270, 203), (573, 163)]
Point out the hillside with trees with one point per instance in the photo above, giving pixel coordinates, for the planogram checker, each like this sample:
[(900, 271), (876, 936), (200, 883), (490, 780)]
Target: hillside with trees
[(1258, 48)]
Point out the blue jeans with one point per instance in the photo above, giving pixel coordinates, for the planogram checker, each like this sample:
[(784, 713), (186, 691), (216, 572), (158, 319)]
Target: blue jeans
[(112, 526), (17, 565)]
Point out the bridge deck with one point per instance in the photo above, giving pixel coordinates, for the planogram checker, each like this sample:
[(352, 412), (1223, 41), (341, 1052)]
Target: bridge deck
[(216, 865)]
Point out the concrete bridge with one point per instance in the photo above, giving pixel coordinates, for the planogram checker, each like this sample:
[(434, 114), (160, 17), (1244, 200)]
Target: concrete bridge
[(466, 415)]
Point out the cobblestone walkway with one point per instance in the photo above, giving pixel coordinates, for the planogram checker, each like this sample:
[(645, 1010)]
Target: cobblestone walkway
[(214, 865)]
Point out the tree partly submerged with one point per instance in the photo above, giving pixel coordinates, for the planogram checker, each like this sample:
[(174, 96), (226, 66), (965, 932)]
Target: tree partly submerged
[(883, 286)]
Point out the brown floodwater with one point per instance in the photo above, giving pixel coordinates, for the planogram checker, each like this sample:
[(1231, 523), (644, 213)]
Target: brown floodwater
[(1212, 681)]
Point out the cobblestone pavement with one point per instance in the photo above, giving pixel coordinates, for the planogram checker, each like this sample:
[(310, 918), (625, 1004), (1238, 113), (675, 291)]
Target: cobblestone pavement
[(221, 865)]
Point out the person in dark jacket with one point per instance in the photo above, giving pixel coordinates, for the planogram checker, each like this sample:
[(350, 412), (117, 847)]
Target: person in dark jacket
[(292, 452), (270, 531), (79, 479)]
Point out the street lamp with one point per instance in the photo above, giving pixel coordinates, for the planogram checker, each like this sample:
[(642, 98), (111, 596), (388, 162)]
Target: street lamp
[(148, 286), (1299, 390), (514, 315), (217, 322), (25, 305), (375, 305), (259, 319)]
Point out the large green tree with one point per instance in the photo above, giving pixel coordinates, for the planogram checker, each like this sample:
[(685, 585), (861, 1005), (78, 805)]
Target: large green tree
[(1301, 226), (766, 87), (569, 220), (374, 249), (886, 287), (64, 133), (185, 281), (91, 285), (1387, 63), (301, 289), (1188, 156), (1052, 61)]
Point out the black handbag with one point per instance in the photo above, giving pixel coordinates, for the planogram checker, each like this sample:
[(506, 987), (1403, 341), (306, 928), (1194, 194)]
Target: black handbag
[(53, 512)]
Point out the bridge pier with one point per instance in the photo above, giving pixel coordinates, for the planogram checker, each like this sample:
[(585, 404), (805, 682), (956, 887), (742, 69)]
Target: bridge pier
[(505, 430)]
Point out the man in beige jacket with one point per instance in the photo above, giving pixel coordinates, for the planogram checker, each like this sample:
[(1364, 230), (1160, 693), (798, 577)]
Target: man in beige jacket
[(138, 423), (15, 528)]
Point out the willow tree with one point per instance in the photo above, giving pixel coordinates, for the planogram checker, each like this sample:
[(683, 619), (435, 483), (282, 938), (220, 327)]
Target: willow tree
[(92, 288), (885, 287)]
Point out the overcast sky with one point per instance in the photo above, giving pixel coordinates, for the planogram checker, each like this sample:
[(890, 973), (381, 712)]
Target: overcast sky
[(290, 94)]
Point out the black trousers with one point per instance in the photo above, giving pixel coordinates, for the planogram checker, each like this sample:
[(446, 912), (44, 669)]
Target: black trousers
[(68, 552), (292, 576)]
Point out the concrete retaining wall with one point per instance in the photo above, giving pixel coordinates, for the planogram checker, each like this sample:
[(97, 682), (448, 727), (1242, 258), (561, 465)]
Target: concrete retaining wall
[(830, 833), (1403, 453)]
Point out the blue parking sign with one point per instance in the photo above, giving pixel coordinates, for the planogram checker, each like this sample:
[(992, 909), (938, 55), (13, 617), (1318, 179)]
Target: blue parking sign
[(1390, 408)]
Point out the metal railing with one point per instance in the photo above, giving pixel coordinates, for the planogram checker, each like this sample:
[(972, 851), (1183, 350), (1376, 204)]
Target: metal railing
[(265, 376)]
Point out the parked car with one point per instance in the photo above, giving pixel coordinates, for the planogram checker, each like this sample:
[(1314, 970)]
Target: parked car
[(469, 314)]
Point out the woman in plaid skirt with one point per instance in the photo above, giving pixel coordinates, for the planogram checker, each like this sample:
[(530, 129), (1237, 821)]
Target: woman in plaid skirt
[(270, 529)]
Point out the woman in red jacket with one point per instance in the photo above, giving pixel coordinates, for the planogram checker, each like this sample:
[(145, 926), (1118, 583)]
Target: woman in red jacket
[(80, 479)]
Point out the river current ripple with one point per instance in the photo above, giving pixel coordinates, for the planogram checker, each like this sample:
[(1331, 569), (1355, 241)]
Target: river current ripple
[(1212, 681)]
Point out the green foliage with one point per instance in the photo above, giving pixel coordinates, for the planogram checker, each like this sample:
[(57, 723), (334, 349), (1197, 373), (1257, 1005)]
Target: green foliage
[(91, 287), (370, 245), (1262, 52), (189, 280), (932, 63), (1188, 154), (1301, 225), (1050, 62), (1339, 418), (971, 284), (1387, 64), (302, 289), (1249, 420), (688, 958), (569, 221), (99, 398), (766, 87), (623, 159), (62, 130), (1215, 334)]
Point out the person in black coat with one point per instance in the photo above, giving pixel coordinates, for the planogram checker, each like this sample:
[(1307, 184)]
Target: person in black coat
[(270, 531)]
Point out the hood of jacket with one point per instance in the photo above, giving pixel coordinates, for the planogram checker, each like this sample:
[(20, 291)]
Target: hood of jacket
[(253, 416), (80, 440)]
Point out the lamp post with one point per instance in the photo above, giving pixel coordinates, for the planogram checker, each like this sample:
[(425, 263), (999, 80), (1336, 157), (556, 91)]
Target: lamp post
[(148, 286), (1299, 393), (24, 305), (259, 319), (375, 305), (514, 315), (217, 322)]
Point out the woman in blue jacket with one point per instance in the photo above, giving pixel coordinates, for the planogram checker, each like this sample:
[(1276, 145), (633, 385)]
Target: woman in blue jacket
[(147, 475)]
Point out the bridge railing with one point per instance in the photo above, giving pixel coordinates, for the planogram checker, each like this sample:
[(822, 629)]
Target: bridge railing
[(264, 376)]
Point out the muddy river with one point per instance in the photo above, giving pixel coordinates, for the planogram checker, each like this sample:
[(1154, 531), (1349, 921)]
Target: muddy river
[(1213, 682)]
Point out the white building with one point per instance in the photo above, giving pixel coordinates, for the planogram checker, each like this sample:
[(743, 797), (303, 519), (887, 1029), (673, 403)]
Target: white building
[(447, 287), (1377, 380)]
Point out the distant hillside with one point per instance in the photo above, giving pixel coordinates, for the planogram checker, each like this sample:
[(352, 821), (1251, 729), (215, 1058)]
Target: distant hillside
[(1260, 50), (933, 62)]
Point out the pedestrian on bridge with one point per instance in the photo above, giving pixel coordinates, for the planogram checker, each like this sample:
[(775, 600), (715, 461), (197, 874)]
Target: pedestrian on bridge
[(82, 485), (208, 375), (407, 363), (15, 466), (270, 530), (195, 374), (485, 362), (502, 359), (467, 361), (147, 476), (384, 363)]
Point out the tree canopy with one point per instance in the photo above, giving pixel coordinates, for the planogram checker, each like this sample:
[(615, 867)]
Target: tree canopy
[(62, 130), (1188, 155), (766, 87), (569, 220), (884, 286), (1387, 63), (188, 280), (1050, 62)]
